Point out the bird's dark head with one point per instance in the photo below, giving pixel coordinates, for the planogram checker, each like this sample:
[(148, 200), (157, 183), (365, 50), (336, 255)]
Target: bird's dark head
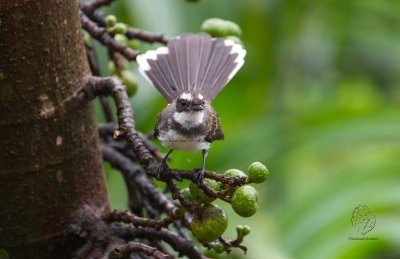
[(190, 102)]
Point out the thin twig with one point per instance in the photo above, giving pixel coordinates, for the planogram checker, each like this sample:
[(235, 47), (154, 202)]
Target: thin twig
[(127, 217), (124, 251), (232, 243), (93, 5), (183, 246)]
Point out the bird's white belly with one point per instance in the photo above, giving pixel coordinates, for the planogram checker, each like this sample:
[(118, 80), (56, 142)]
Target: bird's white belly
[(176, 141)]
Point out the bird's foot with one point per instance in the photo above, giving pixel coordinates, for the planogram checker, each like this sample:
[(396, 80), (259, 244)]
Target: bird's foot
[(162, 168), (198, 179)]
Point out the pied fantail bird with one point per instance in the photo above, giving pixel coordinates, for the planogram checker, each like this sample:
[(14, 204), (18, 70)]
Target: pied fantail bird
[(189, 73)]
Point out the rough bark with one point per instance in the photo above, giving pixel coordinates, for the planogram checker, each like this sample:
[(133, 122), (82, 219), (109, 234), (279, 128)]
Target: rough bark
[(51, 173)]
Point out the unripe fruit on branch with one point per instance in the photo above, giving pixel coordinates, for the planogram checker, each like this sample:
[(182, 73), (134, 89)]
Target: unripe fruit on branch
[(121, 38), (199, 195), (87, 37), (219, 248), (111, 20), (111, 67), (133, 44), (217, 27), (257, 172), (232, 173), (130, 81), (245, 201), (239, 230), (118, 28), (234, 39), (187, 194), (246, 230), (210, 224), (242, 231)]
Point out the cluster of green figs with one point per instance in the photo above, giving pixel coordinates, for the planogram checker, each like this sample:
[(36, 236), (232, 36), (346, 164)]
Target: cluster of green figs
[(212, 222), (118, 30)]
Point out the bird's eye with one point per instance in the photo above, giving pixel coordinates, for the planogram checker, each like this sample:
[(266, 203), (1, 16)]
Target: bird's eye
[(202, 102), (183, 102)]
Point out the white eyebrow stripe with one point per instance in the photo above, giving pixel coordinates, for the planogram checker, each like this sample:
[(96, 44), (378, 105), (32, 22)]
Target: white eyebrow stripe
[(200, 96), (187, 96)]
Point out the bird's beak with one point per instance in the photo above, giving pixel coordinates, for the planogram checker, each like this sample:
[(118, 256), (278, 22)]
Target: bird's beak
[(197, 107)]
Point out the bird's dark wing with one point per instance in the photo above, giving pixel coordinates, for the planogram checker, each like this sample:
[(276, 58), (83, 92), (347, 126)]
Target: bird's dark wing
[(157, 127), (214, 131)]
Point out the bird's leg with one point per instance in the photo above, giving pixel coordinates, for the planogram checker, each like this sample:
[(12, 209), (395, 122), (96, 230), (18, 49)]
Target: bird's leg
[(200, 175), (163, 165)]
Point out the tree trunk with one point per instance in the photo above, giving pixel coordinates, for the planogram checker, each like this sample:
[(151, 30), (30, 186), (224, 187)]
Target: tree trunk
[(51, 174)]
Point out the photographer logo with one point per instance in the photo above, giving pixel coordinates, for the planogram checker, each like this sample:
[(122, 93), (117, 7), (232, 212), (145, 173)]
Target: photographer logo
[(363, 221)]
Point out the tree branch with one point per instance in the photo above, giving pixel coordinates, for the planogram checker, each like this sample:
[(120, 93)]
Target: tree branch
[(95, 86), (127, 217), (93, 5), (108, 129), (232, 243), (124, 251), (106, 39), (183, 246)]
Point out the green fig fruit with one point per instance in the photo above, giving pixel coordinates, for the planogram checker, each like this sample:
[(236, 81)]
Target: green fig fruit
[(130, 81), (111, 20), (111, 66), (87, 37), (121, 38), (210, 224), (199, 195), (245, 201), (234, 39), (219, 248), (257, 172), (233, 29), (118, 28), (246, 230), (187, 194), (133, 44), (232, 173), (239, 230), (217, 27)]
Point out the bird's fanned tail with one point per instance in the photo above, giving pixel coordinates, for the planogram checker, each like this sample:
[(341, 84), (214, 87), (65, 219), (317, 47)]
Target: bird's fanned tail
[(192, 62)]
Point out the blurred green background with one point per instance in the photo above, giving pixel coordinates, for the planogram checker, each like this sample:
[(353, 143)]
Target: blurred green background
[(317, 101)]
